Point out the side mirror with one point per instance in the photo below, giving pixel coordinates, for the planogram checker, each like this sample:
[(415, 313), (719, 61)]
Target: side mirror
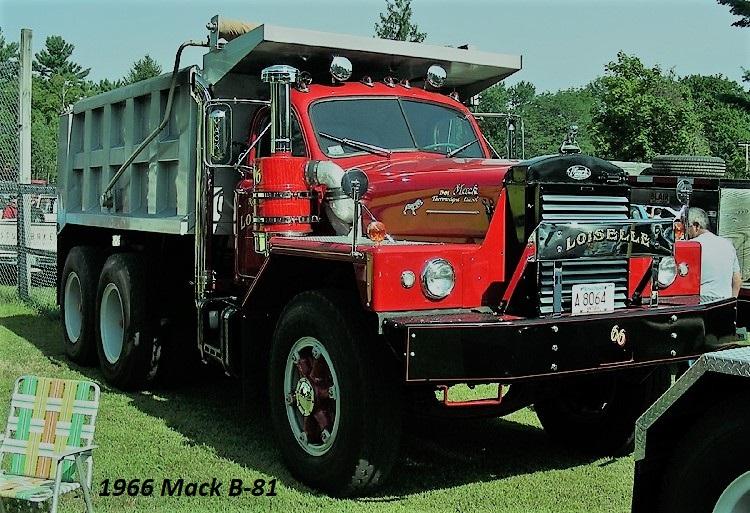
[(355, 183), (218, 134)]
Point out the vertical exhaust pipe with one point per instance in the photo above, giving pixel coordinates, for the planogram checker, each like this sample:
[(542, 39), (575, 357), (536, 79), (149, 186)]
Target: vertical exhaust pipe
[(280, 78)]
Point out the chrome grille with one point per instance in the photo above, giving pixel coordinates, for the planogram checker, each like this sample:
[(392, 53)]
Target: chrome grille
[(567, 208)]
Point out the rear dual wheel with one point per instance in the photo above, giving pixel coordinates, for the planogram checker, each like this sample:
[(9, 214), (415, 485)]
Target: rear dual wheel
[(333, 399), (126, 345), (78, 284)]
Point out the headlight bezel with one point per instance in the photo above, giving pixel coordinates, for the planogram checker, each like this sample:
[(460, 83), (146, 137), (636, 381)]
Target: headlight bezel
[(667, 272), (432, 266)]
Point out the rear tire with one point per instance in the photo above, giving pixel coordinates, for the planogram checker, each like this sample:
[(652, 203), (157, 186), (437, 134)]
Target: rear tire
[(361, 418), (597, 414), (78, 285), (689, 165), (706, 461), (126, 343)]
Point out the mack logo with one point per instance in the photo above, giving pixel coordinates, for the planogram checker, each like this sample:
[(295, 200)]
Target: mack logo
[(609, 235), (578, 172)]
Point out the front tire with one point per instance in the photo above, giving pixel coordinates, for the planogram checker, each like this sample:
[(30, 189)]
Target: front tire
[(333, 399), (128, 353), (78, 284), (597, 414)]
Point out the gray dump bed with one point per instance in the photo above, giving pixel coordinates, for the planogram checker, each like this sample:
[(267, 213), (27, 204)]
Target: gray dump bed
[(157, 192)]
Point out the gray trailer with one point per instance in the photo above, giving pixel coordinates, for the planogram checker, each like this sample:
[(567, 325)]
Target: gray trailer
[(693, 444)]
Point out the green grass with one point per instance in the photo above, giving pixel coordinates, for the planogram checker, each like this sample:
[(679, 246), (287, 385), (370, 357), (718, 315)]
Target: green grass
[(197, 431)]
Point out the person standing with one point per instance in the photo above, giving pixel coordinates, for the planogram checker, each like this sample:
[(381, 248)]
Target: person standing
[(720, 269)]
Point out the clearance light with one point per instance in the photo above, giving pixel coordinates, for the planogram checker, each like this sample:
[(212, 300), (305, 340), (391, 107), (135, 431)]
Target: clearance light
[(376, 231), (667, 272), (683, 269), (436, 76), (341, 68), (438, 279)]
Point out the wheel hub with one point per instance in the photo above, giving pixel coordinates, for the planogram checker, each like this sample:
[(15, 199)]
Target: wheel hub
[(311, 397), (304, 396)]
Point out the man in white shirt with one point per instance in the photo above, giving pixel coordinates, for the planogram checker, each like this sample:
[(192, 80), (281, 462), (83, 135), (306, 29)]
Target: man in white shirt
[(720, 269)]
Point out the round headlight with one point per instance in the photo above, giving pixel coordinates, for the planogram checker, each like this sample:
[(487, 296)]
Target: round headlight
[(438, 279), (667, 272)]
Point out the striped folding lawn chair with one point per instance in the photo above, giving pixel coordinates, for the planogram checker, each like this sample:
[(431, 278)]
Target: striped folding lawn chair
[(47, 447)]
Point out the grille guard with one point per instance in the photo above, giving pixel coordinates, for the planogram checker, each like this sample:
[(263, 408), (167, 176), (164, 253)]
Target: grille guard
[(557, 242), (612, 239)]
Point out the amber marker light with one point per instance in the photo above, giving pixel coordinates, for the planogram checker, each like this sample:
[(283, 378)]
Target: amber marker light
[(376, 231)]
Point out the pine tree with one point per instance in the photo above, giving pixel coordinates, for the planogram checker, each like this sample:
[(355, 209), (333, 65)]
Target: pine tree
[(54, 59), (142, 69), (9, 50), (396, 23), (739, 8)]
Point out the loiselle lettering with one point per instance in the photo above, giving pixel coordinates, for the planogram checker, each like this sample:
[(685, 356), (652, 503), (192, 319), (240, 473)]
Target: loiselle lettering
[(609, 235)]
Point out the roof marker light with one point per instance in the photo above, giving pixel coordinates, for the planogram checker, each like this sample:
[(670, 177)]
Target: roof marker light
[(436, 76), (341, 68)]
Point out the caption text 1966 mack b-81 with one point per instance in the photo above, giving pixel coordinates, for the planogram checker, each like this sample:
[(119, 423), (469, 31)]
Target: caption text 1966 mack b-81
[(323, 214)]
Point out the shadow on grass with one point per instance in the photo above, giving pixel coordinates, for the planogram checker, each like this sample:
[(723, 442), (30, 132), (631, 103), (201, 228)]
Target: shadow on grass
[(205, 408)]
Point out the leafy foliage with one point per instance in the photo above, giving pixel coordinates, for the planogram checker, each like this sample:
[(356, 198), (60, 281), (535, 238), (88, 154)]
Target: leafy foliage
[(142, 69), (739, 8), (8, 50), (723, 107), (54, 59), (396, 23), (642, 112)]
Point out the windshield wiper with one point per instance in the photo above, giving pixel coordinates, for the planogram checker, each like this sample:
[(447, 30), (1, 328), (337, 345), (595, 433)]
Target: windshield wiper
[(460, 148), (357, 144)]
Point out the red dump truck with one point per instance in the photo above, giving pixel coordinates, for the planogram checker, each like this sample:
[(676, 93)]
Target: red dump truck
[(321, 216)]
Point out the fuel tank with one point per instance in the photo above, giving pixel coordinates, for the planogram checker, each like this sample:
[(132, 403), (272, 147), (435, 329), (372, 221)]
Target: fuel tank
[(437, 199)]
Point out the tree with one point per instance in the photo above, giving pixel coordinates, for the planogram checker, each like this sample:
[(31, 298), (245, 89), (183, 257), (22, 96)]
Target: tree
[(396, 23), (642, 112), (549, 116), (54, 59), (142, 69), (739, 8), (723, 107), (8, 51)]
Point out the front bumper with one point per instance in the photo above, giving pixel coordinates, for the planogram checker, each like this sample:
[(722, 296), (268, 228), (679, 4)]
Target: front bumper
[(482, 347)]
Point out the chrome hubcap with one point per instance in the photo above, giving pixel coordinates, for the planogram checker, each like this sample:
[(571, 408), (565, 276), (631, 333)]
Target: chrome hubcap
[(73, 307), (111, 323), (305, 397), (311, 396), (736, 496)]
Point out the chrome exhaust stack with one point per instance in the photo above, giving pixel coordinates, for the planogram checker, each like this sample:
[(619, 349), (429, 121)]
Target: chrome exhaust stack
[(280, 77)]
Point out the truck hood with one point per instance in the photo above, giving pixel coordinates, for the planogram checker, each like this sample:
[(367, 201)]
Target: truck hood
[(436, 199)]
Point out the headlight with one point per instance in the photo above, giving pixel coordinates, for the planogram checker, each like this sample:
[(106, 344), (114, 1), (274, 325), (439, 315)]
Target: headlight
[(438, 279), (667, 272)]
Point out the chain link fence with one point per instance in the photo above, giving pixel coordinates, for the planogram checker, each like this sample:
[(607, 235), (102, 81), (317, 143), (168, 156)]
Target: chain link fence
[(28, 210)]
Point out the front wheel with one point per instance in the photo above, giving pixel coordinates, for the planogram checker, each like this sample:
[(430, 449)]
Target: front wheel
[(333, 399), (597, 413)]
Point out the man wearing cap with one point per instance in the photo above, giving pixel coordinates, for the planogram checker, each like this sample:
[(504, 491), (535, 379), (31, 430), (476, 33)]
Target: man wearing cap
[(720, 269)]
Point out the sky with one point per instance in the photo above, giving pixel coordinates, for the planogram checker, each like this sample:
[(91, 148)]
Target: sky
[(564, 43)]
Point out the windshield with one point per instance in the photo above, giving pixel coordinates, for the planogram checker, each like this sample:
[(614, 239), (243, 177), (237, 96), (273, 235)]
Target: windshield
[(393, 124)]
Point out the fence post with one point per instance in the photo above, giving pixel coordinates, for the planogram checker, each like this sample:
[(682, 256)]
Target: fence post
[(24, 171)]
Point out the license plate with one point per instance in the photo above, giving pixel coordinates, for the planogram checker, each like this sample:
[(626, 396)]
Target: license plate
[(593, 298)]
